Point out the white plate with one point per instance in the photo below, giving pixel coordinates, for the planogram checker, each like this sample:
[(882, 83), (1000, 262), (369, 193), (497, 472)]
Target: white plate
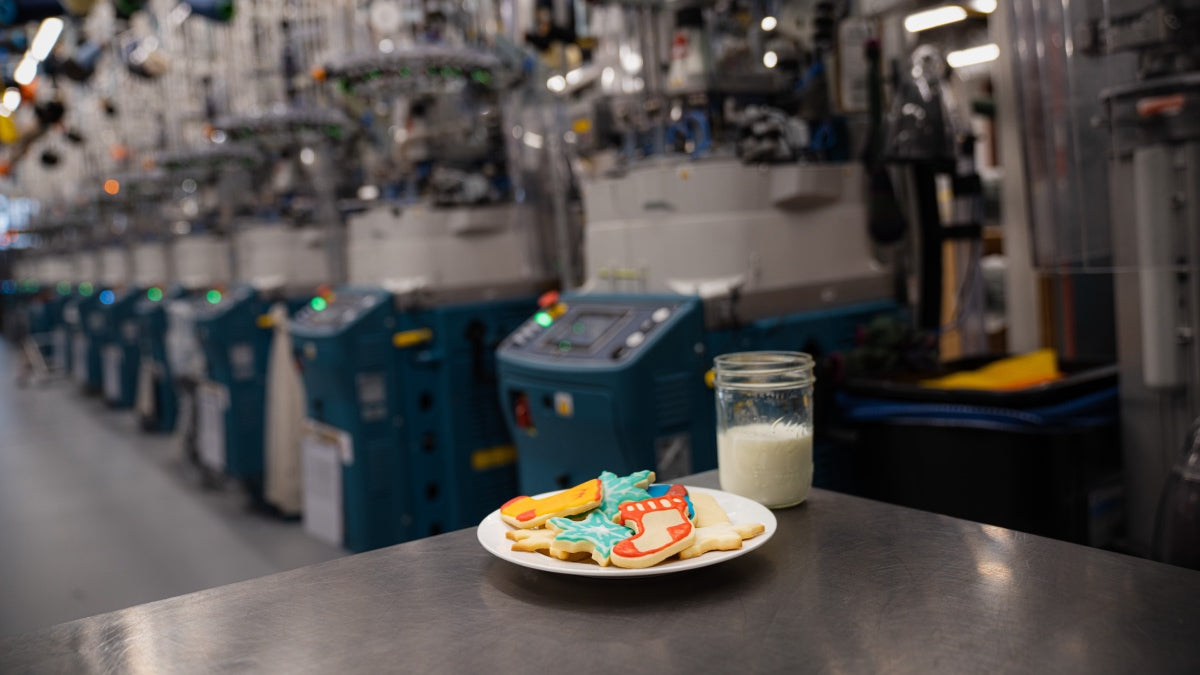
[(741, 510)]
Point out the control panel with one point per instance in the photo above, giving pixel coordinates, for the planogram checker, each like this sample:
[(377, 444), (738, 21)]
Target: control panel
[(338, 309), (214, 302), (593, 331)]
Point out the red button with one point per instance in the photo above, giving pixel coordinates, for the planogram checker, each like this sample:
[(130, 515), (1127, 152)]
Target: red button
[(521, 413), (548, 298)]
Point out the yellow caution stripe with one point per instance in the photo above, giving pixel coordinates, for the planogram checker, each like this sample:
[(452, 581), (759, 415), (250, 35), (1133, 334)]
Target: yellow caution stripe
[(493, 457), (411, 338)]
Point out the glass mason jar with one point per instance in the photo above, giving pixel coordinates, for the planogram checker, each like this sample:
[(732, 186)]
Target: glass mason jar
[(764, 425)]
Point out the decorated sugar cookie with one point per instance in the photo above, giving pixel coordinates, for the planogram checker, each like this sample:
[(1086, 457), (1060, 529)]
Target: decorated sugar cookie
[(621, 489), (538, 540), (671, 489), (595, 535), (531, 540), (714, 532), (663, 529), (527, 512)]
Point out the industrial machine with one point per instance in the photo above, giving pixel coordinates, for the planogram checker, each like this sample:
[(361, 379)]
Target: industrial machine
[(119, 336), (82, 312), (113, 325), (230, 403), (276, 260), (446, 255), (156, 403), (698, 242), (201, 258), (1106, 95), (52, 269), (198, 258)]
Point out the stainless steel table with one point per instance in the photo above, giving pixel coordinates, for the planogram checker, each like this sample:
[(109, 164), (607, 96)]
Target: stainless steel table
[(846, 585)]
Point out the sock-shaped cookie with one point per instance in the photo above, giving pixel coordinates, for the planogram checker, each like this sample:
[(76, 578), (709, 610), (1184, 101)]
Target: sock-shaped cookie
[(527, 512), (714, 532), (663, 529)]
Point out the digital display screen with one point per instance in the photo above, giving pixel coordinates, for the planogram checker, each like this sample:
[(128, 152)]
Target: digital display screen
[(582, 330)]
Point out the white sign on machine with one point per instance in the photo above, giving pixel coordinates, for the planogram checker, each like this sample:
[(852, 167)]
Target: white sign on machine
[(79, 350), (212, 400), (325, 449), (113, 358), (59, 352)]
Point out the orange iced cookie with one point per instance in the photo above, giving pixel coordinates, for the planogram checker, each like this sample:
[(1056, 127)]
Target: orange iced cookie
[(527, 512)]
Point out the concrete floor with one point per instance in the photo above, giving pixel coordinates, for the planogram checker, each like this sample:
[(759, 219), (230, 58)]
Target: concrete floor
[(96, 515)]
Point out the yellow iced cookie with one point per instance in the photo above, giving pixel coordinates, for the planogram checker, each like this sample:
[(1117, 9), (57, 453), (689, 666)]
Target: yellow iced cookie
[(527, 512)]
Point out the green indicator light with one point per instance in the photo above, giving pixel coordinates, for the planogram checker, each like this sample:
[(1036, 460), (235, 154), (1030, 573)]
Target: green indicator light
[(85, 289), (543, 319), (213, 296), (154, 294), (481, 76), (318, 303), (64, 287), (564, 346)]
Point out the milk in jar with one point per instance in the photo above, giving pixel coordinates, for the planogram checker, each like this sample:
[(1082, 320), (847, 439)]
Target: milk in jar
[(769, 463)]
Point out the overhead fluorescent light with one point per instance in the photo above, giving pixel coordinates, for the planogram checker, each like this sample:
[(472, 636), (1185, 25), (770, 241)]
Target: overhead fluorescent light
[(47, 34), (940, 16), (769, 23), (973, 56), (770, 59), (983, 6), (26, 70), (533, 140), (11, 99), (631, 61), (556, 83)]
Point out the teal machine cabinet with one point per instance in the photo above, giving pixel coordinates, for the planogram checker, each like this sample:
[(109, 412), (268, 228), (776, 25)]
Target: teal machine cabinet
[(410, 391), (231, 402), (344, 346), (86, 322), (46, 325), (151, 316), (118, 337), (617, 382)]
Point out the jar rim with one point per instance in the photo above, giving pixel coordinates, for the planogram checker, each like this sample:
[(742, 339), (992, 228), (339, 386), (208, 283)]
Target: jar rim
[(764, 361), (747, 370)]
